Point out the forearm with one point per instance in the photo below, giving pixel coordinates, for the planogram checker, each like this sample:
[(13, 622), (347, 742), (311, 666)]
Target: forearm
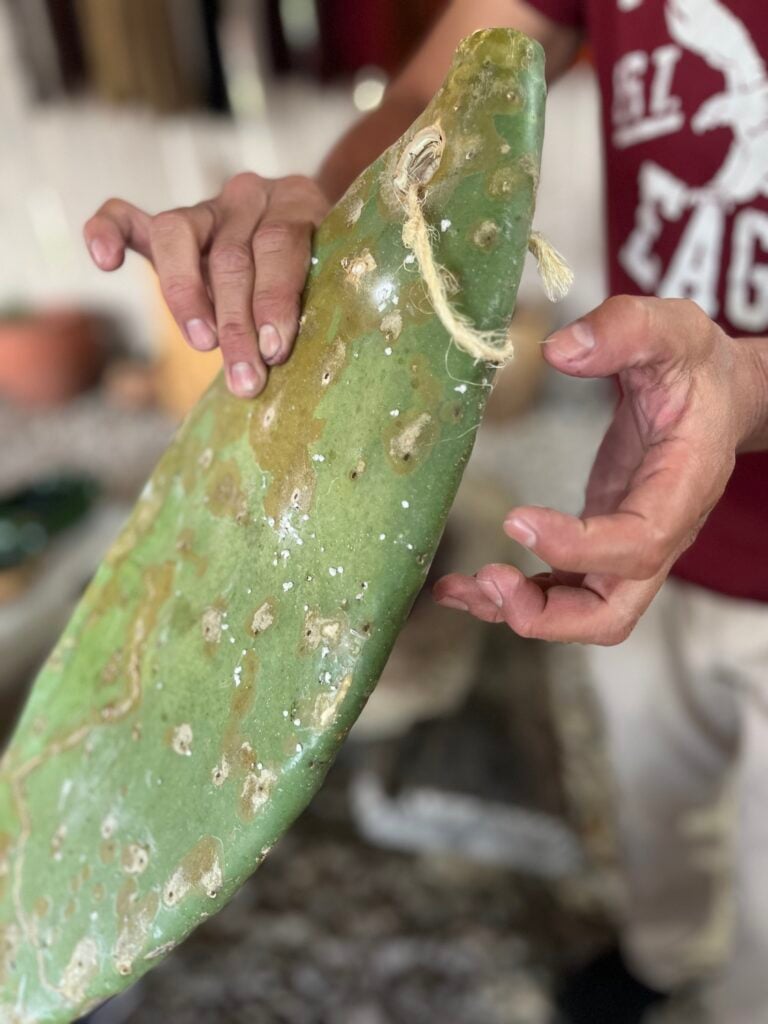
[(751, 376), (364, 142), (410, 93)]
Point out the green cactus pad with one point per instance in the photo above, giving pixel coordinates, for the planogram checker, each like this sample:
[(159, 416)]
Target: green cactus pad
[(228, 642)]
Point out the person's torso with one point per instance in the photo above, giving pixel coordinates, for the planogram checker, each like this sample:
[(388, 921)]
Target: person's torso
[(685, 91), (685, 109)]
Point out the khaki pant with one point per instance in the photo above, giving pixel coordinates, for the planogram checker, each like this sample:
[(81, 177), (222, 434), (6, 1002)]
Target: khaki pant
[(685, 707)]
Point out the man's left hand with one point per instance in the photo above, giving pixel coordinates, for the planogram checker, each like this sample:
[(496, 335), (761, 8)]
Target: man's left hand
[(691, 397)]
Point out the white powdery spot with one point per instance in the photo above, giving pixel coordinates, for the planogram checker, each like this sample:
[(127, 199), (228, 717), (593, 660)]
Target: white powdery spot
[(327, 704), (288, 585), (220, 773), (80, 971), (176, 888), (257, 788), (66, 789), (405, 504), (135, 859), (181, 740), (212, 879), (357, 267), (392, 325), (58, 841), (383, 293), (462, 389), (211, 625), (263, 618), (354, 210)]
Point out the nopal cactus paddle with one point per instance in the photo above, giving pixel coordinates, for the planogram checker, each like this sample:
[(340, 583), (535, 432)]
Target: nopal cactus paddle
[(236, 627)]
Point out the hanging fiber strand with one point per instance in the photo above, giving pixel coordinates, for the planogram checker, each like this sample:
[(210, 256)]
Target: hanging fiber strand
[(490, 346)]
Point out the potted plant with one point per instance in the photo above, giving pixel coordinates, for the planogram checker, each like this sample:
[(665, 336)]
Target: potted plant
[(47, 356)]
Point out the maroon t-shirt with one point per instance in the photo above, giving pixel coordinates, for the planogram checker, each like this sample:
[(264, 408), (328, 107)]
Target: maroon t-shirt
[(685, 125)]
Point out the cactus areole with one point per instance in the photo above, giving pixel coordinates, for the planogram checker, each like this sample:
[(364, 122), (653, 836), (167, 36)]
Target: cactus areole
[(238, 624)]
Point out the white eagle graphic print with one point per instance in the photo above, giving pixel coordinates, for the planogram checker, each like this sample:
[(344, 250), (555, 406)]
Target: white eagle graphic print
[(710, 30)]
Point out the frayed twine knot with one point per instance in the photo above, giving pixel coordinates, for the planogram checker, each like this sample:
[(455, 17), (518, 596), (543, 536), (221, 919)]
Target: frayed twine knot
[(416, 168)]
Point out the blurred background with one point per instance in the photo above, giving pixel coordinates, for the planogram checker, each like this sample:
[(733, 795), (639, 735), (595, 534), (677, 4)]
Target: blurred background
[(460, 857)]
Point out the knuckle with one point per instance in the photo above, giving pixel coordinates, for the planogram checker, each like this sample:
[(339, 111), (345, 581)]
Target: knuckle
[(631, 310), (295, 185), (523, 628), (298, 181), (301, 183), (692, 310), (277, 236), (230, 258), (235, 333), (169, 222), (245, 181), (703, 331), (278, 300), (617, 630), (112, 206), (617, 634), (180, 291)]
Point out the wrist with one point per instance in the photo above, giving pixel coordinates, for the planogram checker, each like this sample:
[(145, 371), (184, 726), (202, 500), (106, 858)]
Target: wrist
[(751, 393)]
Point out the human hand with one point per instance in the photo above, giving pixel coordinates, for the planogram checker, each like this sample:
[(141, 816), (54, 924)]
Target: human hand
[(690, 398), (232, 269)]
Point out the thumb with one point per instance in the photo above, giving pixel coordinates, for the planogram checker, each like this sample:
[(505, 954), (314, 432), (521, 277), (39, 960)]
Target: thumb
[(628, 332)]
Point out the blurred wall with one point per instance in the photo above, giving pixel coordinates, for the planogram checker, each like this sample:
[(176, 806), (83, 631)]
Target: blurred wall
[(63, 158)]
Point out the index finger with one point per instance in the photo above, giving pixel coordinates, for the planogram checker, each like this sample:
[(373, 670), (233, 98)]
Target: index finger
[(115, 227), (602, 610)]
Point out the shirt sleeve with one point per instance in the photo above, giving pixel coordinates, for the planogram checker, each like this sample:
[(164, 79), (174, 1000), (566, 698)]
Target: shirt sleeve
[(564, 12)]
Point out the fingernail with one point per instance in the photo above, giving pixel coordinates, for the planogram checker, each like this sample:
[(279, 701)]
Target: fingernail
[(491, 591), (244, 379), (451, 602), (269, 342), (201, 335), (523, 531), (100, 252), (572, 342)]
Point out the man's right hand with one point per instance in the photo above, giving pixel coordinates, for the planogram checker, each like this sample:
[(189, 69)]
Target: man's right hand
[(232, 269)]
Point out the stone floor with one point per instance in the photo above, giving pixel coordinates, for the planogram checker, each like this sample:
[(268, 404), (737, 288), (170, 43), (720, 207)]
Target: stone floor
[(333, 931)]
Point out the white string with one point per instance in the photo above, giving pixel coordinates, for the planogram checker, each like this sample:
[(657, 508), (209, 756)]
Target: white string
[(495, 347), (491, 346), (556, 276)]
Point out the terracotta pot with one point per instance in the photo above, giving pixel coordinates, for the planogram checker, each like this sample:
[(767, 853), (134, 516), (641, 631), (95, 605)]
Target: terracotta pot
[(48, 357)]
